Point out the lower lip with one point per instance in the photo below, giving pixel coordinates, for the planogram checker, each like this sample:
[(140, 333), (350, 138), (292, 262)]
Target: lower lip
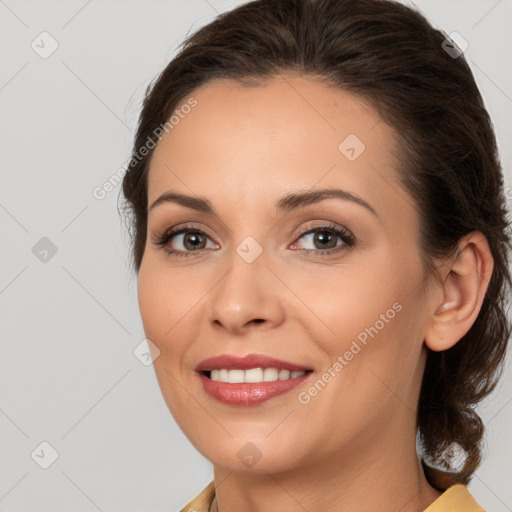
[(246, 394)]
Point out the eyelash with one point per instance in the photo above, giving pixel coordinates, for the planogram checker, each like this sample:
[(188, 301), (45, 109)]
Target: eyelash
[(161, 240)]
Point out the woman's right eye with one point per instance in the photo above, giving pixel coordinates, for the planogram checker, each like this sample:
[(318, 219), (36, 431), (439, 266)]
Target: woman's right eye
[(191, 240)]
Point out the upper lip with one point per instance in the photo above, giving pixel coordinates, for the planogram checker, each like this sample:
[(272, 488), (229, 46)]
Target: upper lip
[(228, 362)]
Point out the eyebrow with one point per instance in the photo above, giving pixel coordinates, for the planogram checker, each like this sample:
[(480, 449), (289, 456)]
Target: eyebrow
[(287, 203)]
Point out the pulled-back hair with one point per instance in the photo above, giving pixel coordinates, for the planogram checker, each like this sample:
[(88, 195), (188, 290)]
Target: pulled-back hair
[(392, 57)]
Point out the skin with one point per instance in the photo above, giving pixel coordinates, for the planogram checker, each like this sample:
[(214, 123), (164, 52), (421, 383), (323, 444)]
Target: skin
[(352, 447)]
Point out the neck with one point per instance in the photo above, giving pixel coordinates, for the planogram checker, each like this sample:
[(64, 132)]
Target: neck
[(383, 475)]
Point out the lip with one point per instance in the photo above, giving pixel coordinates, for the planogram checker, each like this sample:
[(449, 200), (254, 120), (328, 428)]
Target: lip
[(248, 394), (229, 362)]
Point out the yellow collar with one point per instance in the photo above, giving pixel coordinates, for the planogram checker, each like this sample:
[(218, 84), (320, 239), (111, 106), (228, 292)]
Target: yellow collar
[(457, 498)]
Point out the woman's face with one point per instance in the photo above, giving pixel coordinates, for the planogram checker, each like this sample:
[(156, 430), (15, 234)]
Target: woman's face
[(265, 273)]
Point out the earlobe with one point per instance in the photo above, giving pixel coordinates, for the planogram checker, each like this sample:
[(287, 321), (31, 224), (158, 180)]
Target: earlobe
[(462, 293)]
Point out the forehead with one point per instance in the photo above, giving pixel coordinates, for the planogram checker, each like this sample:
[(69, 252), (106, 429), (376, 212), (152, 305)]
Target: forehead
[(253, 144)]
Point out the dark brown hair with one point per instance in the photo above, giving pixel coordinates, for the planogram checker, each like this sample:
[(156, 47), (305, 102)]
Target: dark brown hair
[(392, 57)]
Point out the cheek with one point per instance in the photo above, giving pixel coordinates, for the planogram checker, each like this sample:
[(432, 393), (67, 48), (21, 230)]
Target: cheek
[(163, 302), (165, 299), (346, 301), (369, 312), (153, 302)]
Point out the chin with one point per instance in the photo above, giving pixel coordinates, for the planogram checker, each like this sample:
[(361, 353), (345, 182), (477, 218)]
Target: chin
[(241, 455)]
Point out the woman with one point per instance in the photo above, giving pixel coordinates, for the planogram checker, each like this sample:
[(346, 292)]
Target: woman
[(320, 237)]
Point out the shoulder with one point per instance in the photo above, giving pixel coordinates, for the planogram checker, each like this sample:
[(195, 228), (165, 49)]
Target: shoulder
[(202, 502), (456, 498)]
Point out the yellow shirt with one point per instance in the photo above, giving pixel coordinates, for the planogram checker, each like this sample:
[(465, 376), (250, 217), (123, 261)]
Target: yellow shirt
[(456, 498)]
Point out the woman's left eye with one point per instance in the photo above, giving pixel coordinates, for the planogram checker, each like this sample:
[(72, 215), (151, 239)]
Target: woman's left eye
[(325, 239)]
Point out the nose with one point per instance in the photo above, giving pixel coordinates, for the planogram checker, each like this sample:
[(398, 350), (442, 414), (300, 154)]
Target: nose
[(248, 296)]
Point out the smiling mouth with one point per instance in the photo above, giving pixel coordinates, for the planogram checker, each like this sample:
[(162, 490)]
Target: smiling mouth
[(251, 379), (252, 375)]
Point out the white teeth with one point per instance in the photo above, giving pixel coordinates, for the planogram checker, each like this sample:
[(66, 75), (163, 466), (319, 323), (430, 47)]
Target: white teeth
[(254, 375), (284, 374), (236, 376), (270, 374)]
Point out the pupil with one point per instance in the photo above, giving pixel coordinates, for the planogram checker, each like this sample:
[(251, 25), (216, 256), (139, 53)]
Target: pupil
[(190, 239), (322, 236)]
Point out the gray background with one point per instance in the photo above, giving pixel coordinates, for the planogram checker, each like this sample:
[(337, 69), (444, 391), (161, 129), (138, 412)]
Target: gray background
[(70, 324)]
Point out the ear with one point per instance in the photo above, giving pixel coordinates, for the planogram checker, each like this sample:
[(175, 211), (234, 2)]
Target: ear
[(464, 281)]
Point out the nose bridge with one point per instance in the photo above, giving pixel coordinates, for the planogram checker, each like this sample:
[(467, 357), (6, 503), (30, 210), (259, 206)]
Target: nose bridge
[(244, 293), (249, 250)]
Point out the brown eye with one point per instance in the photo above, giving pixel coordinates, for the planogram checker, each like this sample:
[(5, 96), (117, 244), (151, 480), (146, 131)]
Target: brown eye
[(194, 240), (185, 241), (325, 239)]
